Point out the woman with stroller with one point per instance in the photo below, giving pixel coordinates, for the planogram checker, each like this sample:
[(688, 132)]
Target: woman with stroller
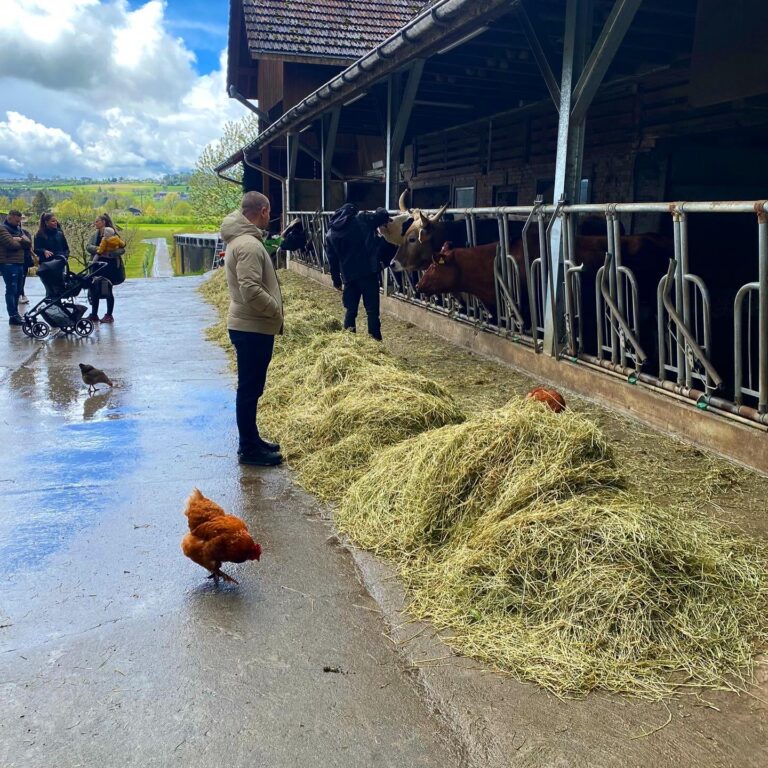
[(50, 242), (113, 271)]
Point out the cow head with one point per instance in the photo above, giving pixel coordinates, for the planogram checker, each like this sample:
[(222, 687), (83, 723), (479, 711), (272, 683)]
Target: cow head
[(293, 236), (394, 230), (420, 241), (442, 275)]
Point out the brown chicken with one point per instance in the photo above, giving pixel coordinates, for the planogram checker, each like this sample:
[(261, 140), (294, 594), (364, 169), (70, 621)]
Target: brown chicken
[(216, 537), (93, 376), (550, 397)]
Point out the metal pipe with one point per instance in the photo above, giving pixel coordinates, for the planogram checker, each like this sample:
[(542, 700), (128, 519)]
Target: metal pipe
[(570, 301), (229, 179), (683, 287), (612, 285), (736, 206), (762, 358), (738, 340), (706, 316), (660, 330), (716, 378), (641, 356), (529, 273)]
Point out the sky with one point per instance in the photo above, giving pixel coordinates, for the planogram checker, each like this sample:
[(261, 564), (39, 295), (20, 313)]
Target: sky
[(103, 88)]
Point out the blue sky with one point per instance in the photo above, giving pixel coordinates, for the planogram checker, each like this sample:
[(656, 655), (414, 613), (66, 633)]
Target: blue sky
[(100, 88), (202, 24)]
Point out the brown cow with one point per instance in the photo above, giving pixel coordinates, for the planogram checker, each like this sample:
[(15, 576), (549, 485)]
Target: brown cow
[(470, 270), (462, 270)]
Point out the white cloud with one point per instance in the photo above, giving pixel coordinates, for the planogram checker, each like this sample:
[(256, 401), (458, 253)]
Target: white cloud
[(95, 88)]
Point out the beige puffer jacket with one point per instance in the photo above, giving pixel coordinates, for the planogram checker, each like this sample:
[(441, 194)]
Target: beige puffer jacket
[(256, 304)]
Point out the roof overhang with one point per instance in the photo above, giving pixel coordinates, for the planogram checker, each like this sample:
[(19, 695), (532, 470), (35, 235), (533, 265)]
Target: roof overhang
[(445, 22)]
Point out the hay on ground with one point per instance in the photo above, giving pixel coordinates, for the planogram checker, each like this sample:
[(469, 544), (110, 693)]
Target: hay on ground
[(514, 536)]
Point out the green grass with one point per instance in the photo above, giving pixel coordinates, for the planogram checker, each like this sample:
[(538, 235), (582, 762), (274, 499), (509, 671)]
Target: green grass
[(137, 251)]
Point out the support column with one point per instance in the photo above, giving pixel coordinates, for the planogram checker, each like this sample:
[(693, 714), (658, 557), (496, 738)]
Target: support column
[(579, 83), (329, 126), (570, 148), (292, 149)]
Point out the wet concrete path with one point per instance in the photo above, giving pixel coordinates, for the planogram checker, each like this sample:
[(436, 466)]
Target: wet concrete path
[(161, 266), (114, 649)]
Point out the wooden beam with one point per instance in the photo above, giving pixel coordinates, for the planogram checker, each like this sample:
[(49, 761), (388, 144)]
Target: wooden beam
[(406, 105)]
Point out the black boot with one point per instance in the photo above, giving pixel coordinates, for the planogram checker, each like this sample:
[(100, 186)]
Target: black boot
[(269, 445), (260, 457)]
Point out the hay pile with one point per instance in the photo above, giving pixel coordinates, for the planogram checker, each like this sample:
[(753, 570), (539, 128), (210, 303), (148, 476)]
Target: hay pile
[(337, 401), (334, 399), (513, 534), (515, 531)]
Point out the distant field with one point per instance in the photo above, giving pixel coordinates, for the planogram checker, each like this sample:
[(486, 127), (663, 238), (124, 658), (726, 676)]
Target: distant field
[(138, 250), (106, 187)]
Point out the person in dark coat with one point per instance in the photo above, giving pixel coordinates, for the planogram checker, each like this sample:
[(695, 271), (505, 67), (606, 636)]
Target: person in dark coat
[(50, 241), (353, 247), (13, 225), (13, 246)]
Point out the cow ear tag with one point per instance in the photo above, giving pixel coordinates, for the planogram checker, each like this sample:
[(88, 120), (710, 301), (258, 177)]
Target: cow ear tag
[(441, 260)]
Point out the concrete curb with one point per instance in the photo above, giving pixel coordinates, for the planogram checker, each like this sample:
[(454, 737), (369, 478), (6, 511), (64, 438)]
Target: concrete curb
[(448, 685)]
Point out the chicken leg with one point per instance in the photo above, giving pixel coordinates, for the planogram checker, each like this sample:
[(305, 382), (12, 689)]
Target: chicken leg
[(218, 573)]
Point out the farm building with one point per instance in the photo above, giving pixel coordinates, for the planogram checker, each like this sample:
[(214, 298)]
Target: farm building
[(613, 148)]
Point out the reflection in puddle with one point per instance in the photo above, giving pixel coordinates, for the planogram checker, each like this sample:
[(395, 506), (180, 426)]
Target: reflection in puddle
[(93, 404)]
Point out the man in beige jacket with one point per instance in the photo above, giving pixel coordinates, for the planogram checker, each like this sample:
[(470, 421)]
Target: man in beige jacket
[(255, 316)]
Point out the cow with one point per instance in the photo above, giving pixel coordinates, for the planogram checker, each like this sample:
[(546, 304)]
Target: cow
[(462, 270), (427, 234), (394, 230), (470, 270)]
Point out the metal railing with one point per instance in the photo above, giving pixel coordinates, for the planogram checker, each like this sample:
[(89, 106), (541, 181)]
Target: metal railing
[(652, 318)]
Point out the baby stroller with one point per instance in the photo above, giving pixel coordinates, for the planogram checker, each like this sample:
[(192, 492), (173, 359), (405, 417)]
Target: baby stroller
[(58, 309)]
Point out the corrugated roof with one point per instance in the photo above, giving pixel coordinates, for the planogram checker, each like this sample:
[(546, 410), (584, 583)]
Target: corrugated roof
[(332, 29)]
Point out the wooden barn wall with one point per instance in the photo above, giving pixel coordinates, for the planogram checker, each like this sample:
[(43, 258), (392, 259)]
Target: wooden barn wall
[(302, 79), (624, 123), (270, 83)]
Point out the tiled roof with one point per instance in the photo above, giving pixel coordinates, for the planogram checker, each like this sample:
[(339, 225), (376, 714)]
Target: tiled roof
[(332, 29)]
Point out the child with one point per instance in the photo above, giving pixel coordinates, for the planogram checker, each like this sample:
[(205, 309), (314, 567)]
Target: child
[(110, 241)]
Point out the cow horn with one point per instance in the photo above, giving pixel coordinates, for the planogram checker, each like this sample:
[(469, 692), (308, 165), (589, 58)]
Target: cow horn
[(401, 202), (439, 215)]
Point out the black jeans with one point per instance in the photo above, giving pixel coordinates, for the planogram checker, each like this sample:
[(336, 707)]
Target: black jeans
[(254, 353), (366, 288), (95, 304)]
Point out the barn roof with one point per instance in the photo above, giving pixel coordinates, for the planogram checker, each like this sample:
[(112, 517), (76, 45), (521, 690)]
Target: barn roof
[(337, 30)]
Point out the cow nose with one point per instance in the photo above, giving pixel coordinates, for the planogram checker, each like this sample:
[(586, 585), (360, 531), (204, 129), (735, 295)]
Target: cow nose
[(395, 266)]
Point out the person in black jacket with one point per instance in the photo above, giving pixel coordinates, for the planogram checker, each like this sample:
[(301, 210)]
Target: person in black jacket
[(353, 248), (50, 241)]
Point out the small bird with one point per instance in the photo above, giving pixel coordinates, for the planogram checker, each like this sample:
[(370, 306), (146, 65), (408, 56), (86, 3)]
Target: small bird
[(215, 537), (550, 397), (93, 376)]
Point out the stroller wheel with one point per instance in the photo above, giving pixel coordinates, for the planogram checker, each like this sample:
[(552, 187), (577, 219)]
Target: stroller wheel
[(84, 327), (68, 329), (40, 330), (27, 327)]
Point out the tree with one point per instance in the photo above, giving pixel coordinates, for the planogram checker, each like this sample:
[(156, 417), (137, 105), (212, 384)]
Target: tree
[(41, 202), (5, 204), (76, 215), (182, 208), (19, 204), (210, 196)]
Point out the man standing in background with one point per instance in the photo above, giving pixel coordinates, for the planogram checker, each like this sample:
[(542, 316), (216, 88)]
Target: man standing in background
[(353, 247), (255, 316), (15, 245)]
